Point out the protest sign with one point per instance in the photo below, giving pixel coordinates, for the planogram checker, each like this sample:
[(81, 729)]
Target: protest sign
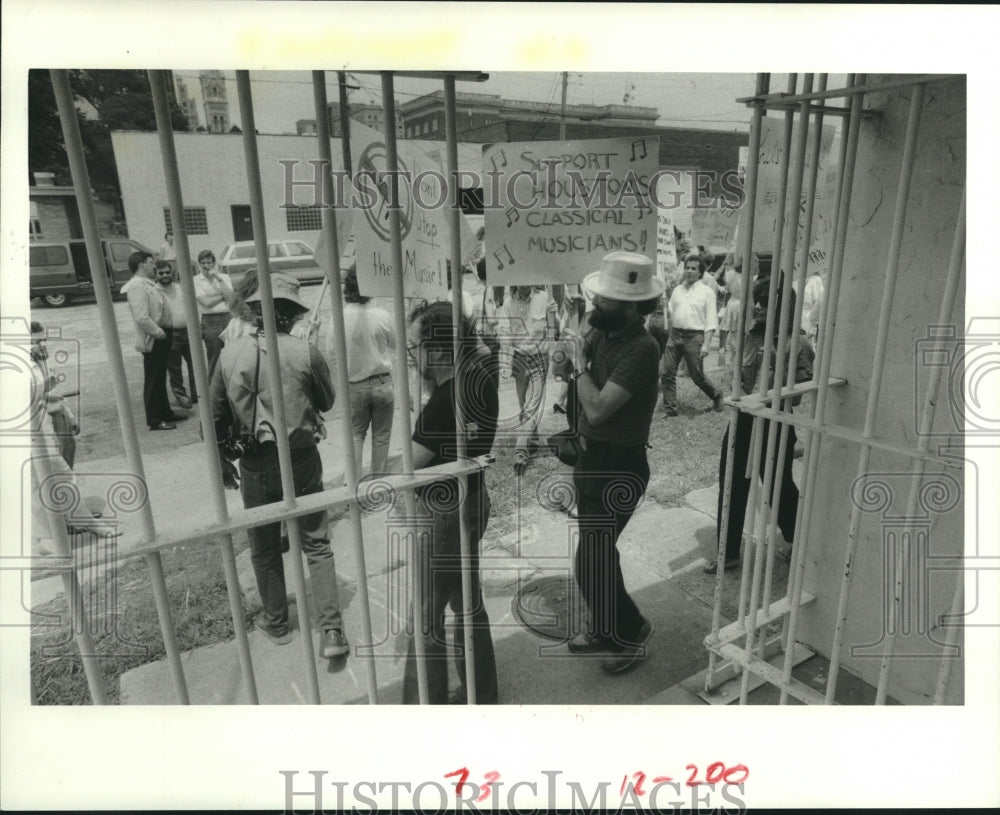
[(666, 245), (557, 208), (423, 218), (714, 227), (768, 189)]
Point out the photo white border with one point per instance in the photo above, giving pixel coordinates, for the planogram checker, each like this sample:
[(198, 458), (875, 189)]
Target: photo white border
[(213, 757)]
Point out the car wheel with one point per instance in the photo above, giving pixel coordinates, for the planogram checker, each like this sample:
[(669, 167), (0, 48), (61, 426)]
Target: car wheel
[(56, 300)]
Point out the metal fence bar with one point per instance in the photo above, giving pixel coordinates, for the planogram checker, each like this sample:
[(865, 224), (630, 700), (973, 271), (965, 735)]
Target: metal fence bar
[(43, 470), (273, 371), (102, 291), (955, 267), (951, 638), (454, 224), (331, 248), (396, 245), (159, 584), (788, 206), (855, 88), (878, 366), (751, 574), (747, 225), (171, 172), (786, 335)]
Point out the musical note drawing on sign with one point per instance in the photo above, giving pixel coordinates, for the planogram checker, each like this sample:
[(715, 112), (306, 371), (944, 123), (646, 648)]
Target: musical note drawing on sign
[(646, 208), (510, 257), (503, 158), (512, 216), (642, 144)]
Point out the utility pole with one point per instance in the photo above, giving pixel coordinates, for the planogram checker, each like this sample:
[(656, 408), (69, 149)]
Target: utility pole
[(562, 111)]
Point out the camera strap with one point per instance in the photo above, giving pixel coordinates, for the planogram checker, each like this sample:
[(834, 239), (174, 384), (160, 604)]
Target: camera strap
[(256, 389)]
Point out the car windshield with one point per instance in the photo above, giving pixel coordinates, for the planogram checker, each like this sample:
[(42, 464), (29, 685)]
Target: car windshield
[(242, 252)]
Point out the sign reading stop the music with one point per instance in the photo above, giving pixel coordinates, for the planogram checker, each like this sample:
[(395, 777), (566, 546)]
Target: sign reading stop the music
[(555, 209)]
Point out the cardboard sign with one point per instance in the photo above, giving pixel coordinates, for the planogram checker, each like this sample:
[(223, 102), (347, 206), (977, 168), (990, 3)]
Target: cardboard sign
[(666, 245), (423, 219), (714, 227), (768, 188), (555, 209)]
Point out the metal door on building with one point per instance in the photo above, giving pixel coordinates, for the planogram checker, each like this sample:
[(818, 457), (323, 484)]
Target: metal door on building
[(242, 224)]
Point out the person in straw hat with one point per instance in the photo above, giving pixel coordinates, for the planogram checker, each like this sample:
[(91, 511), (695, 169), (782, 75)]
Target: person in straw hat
[(242, 398), (616, 378)]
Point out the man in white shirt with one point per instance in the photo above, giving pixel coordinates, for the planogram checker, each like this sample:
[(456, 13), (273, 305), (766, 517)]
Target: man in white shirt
[(812, 303), (180, 348), (215, 296), (693, 321), (371, 339), (530, 324)]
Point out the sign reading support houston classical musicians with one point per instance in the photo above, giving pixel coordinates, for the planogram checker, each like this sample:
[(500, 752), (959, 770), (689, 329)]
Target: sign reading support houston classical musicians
[(423, 219), (555, 209)]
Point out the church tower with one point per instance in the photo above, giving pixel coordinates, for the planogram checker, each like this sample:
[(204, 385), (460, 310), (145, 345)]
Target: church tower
[(213, 93)]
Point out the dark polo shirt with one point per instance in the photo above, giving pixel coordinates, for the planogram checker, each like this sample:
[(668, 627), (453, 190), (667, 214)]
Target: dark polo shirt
[(630, 360)]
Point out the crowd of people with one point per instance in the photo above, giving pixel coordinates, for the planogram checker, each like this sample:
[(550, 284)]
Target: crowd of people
[(614, 345)]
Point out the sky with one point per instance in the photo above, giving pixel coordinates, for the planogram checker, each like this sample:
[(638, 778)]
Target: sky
[(700, 100)]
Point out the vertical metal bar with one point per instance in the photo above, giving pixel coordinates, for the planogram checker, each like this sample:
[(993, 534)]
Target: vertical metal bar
[(754, 459), (42, 467), (951, 638), (273, 372), (345, 121), (789, 220), (878, 366), (747, 225), (331, 248), (774, 468), (102, 291), (955, 266), (454, 224), (396, 245), (171, 172), (814, 438), (159, 584)]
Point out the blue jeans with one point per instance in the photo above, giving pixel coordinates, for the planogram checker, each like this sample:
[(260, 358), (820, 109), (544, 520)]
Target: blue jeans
[(372, 402), (687, 345), (437, 565), (610, 481), (261, 484)]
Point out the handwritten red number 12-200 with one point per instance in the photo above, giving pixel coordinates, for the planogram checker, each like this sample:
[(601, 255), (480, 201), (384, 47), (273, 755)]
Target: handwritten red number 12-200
[(715, 773)]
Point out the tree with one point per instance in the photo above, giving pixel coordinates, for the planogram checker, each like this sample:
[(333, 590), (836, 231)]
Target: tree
[(123, 101)]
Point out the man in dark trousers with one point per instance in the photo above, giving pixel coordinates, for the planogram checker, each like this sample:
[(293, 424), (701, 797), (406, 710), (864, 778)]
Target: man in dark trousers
[(617, 391), (152, 338), (242, 398), (429, 343)]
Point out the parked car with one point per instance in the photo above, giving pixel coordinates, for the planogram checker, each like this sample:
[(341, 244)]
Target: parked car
[(60, 271), (293, 257)]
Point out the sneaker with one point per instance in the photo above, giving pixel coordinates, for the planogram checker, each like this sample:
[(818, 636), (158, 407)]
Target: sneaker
[(586, 643), (713, 567), (629, 657), (669, 411), (333, 643), (279, 636)]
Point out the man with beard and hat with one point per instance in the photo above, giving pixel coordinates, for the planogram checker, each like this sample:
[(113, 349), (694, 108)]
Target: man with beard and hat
[(617, 392), (242, 399)]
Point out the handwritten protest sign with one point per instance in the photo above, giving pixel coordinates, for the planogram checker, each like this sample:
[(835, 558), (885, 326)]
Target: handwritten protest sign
[(423, 217), (666, 245), (559, 207), (714, 227), (769, 184)]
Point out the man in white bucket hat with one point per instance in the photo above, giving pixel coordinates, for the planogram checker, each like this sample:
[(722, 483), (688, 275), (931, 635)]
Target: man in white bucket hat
[(617, 391)]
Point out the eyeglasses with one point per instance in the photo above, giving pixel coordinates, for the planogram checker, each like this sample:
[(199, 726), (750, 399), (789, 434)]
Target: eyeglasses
[(411, 350)]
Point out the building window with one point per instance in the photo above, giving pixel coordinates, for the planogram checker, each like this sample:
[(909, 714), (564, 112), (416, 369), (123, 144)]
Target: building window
[(195, 220), (301, 219)]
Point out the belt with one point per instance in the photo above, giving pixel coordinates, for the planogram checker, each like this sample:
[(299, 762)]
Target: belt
[(689, 330), (371, 378)]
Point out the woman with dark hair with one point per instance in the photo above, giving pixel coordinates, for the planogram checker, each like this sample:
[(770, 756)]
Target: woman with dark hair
[(371, 340)]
